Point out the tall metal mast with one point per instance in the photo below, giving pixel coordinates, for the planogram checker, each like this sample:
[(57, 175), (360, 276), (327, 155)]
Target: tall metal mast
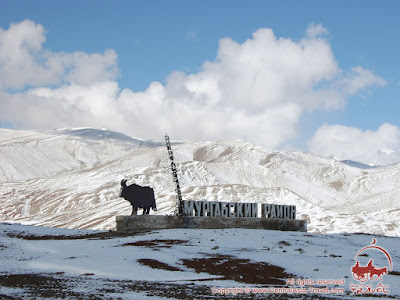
[(179, 206)]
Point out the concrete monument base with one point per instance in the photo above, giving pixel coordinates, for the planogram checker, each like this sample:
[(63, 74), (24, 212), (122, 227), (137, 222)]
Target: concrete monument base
[(152, 222)]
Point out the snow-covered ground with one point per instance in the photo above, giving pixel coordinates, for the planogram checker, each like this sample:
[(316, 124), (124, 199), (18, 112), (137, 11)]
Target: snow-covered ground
[(41, 262), (70, 178)]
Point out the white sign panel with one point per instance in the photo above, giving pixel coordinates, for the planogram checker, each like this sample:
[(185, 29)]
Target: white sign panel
[(237, 210)]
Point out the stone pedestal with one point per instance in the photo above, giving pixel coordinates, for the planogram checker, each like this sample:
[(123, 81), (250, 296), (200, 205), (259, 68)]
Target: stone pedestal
[(153, 222)]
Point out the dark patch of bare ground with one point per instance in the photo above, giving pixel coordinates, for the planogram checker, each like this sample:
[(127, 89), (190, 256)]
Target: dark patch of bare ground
[(51, 286), (156, 243), (95, 236), (228, 267), (155, 264), (240, 270)]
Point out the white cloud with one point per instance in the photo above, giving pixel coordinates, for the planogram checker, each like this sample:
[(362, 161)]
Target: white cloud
[(381, 146), (256, 90), (69, 105), (24, 61), (315, 30), (359, 79)]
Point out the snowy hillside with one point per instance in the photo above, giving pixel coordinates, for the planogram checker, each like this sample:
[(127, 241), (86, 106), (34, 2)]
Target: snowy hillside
[(70, 178), (31, 154)]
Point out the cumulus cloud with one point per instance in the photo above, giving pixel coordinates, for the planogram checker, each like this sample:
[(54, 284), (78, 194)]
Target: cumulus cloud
[(256, 90), (67, 106), (24, 61), (371, 147)]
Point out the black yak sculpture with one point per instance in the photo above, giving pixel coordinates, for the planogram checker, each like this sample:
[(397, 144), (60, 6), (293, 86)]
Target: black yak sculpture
[(139, 197)]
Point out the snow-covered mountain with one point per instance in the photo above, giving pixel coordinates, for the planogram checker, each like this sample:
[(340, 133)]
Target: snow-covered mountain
[(70, 178)]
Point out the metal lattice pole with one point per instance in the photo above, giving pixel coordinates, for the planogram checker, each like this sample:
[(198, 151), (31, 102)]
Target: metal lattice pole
[(178, 208)]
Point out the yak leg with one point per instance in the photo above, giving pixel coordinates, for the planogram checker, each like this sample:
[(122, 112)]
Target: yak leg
[(134, 210), (146, 211)]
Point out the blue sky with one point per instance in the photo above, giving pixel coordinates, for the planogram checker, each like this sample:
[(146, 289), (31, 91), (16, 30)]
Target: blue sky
[(150, 40)]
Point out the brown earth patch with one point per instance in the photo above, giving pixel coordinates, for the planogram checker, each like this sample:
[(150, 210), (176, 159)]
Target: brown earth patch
[(284, 243), (94, 236), (200, 154), (157, 243), (155, 264), (337, 185), (240, 270), (44, 286), (267, 160), (334, 255)]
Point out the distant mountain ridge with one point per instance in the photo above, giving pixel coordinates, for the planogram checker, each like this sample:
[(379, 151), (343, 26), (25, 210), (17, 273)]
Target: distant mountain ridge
[(357, 164), (70, 178), (380, 158)]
